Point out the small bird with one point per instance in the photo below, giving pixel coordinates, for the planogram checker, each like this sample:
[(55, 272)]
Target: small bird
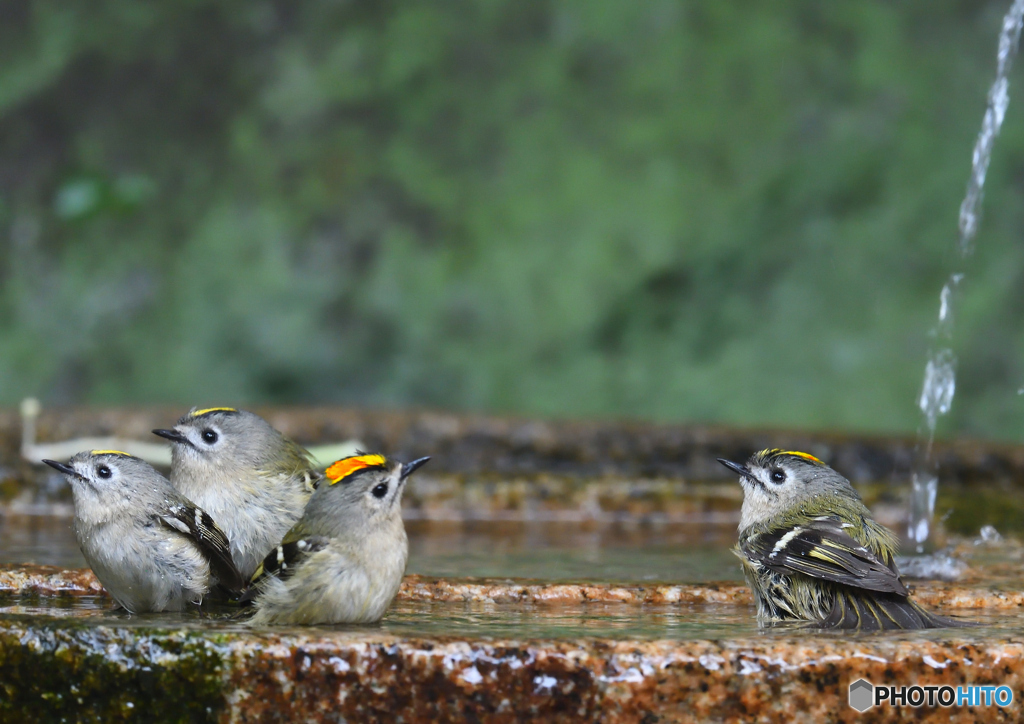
[(151, 547), (253, 480), (344, 560), (812, 552)]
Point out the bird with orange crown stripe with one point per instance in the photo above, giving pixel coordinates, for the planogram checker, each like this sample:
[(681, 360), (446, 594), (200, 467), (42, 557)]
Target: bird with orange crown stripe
[(343, 561), (812, 552)]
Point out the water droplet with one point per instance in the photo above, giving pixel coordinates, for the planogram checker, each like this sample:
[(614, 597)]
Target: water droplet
[(988, 534), (939, 386)]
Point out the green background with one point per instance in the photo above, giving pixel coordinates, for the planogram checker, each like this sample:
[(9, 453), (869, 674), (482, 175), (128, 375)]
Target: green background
[(704, 211)]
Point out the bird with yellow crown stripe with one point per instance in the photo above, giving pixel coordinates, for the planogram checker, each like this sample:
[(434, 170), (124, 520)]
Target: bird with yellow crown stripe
[(812, 552), (343, 562), (152, 548), (253, 480)]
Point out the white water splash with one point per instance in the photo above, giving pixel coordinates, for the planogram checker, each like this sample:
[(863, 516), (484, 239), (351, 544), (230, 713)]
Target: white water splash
[(998, 100), (940, 371), (946, 301), (938, 389)]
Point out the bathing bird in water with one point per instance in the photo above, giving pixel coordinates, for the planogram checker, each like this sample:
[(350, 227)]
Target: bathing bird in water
[(344, 560), (152, 548), (812, 552), (253, 480)]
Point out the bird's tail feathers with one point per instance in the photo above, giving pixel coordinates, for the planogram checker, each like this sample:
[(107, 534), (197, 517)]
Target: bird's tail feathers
[(883, 612)]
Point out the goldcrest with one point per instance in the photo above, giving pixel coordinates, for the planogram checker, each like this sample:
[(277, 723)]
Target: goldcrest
[(253, 481), (344, 560), (151, 547), (812, 552)]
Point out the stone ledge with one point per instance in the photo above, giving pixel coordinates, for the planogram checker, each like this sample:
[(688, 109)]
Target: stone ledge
[(423, 680), (50, 670), (58, 668), (35, 580)]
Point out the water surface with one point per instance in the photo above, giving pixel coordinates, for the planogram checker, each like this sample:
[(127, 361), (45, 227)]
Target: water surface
[(501, 621), (544, 551)]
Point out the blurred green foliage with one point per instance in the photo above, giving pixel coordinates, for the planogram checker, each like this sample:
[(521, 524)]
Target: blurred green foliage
[(712, 211)]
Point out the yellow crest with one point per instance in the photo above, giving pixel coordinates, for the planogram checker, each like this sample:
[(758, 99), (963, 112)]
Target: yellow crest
[(109, 452), (346, 466), (208, 410), (805, 456), (776, 452)]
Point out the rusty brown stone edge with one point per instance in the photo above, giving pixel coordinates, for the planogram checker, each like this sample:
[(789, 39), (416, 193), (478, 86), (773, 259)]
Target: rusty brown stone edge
[(768, 679), (347, 675), (37, 580), (420, 588)]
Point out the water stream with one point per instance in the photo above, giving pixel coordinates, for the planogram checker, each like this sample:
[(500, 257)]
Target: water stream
[(940, 371)]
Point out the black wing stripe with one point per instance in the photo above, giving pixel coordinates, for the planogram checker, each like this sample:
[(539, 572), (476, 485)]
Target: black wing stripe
[(282, 560), (822, 549), (195, 523)]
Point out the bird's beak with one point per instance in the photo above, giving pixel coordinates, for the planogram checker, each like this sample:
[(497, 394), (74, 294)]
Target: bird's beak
[(742, 470), (61, 467), (173, 436), (409, 468)]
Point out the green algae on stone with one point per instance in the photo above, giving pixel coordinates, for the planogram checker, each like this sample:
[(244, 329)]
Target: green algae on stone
[(57, 671), (63, 670)]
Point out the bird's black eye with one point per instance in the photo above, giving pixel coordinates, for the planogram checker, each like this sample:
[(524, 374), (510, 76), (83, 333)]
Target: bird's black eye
[(380, 491), (778, 476), (103, 471), (209, 436)]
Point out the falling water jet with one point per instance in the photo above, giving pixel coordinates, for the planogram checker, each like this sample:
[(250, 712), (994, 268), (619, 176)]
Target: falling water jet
[(940, 371)]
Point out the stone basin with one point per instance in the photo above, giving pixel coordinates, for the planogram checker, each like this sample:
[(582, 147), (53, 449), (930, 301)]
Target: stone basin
[(581, 652), (558, 570)]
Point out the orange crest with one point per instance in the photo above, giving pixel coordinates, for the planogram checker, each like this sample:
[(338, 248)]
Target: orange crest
[(346, 466)]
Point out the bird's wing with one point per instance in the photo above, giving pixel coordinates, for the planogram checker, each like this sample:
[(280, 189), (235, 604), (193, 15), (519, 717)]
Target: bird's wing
[(196, 524), (822, 549), (305, 469), (312, 478), (282, 560)]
